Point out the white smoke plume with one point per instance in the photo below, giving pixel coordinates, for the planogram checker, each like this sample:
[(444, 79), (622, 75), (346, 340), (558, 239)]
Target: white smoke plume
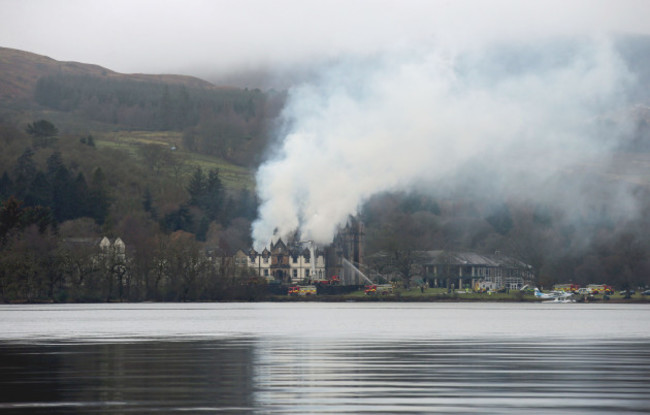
[(508, 119)]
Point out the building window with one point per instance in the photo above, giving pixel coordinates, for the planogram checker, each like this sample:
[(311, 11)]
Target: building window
[(295, 273), (266, 260), (307, 259), (295, 259), (266, 272), (306, 273)]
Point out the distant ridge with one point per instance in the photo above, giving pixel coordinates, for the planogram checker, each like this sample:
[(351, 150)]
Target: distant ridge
[(20, 71)]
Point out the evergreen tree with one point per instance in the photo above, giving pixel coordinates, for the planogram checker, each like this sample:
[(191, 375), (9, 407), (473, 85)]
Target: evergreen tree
[(54, 162), (62, 194), (212, 200), (180, 219), (24, 172), (43, 131), (99, 201), (39, 192), (197, 187), (80, 197), (6, 186), (229, 211), (247, 205)]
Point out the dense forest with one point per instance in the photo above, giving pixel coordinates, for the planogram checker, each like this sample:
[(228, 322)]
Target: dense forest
[(64, 188)]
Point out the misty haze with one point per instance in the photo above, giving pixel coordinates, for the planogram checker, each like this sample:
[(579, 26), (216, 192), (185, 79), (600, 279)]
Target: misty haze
[(324, 207)]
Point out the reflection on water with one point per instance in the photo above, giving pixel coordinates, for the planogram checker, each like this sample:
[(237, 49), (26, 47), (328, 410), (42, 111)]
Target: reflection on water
[(324, 358), (147, 377), (275, 376), (456, 377)]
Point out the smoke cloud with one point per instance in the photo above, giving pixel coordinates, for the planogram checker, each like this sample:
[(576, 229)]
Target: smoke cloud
[(510, 120)]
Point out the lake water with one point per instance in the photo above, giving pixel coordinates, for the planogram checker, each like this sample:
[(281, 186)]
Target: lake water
[(322, 358)]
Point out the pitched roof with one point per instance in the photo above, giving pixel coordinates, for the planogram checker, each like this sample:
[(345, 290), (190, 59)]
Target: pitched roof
[(471, 258)]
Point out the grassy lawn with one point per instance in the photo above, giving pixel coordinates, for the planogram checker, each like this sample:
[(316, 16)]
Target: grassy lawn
[(232, 175), (167, 138)]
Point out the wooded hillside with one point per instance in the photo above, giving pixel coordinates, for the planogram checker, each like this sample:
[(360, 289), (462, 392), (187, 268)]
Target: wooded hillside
[(166, 164)]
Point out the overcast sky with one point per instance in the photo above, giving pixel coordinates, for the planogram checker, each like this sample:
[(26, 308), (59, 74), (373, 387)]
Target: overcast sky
[(208, 37)]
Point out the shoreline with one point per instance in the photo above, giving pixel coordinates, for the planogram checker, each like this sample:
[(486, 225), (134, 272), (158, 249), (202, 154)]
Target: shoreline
[(434, 298), (411, 297)]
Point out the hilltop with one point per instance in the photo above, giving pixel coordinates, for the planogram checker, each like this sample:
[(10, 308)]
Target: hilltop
[(20, 72)]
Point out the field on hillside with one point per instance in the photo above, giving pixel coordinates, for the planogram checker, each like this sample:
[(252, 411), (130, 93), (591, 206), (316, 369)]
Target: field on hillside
[(132, 142)]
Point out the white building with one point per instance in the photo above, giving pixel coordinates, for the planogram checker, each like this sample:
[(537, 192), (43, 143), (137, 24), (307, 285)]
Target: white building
[(291, 264)]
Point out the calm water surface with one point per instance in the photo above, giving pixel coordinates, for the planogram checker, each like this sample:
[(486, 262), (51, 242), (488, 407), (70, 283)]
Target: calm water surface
[(344, 358)]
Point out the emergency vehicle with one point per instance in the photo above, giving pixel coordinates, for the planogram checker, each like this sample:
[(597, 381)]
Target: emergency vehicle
[(567, 288), (302, 290), (379, 289), (601, 289)]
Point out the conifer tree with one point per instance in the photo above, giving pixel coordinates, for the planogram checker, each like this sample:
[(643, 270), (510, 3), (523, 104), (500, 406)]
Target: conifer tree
[(6, 186), (39, 192), (24, 172), (80, 197), (197, 187), (99, 200), (43, 131), (212, 200)]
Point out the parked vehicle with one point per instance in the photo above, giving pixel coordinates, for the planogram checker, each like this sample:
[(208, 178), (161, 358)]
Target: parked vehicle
[(567, 288), (601, 289), (379, 289), (302, 290), (333, 280)]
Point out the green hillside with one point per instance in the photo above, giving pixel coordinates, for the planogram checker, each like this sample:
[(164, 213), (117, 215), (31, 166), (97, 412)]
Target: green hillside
[(164, 162), (135, 144)]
